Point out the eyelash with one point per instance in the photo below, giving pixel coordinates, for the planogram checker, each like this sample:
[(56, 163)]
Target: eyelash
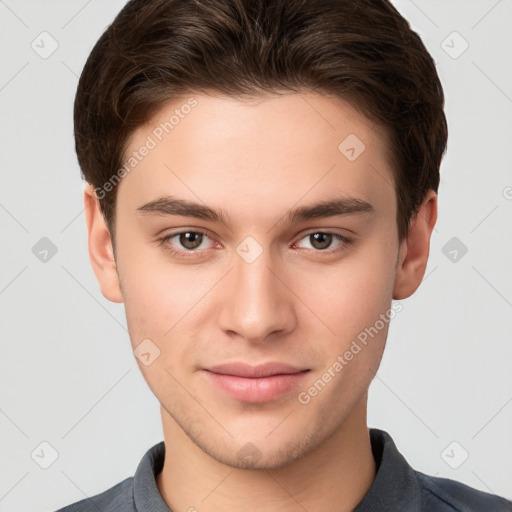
[(163, 242)]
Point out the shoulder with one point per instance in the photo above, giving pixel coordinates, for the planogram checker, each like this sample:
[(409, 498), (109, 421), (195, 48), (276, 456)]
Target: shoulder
[(445, 494), (398, 486), (139, 489), (117, 498)]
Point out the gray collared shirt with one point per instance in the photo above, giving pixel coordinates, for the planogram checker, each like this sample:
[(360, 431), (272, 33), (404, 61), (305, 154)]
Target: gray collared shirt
[(397, 487)]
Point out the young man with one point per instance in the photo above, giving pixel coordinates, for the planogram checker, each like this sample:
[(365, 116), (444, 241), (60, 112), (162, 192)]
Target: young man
[(262, 184)]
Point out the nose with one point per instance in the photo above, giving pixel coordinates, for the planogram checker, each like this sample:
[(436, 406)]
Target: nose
[(257, 304)]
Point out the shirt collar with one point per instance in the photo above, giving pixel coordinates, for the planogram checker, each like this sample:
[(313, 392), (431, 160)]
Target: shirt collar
[(146, 496), (395, 486)]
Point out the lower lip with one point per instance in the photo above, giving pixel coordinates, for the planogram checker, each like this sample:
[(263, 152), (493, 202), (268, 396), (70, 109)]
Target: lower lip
[(256, 390)]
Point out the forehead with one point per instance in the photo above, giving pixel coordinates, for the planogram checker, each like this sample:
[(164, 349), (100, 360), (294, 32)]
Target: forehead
[(259, 153)]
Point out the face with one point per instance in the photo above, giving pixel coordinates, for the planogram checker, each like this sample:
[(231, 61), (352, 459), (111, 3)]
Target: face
[(260, 236)]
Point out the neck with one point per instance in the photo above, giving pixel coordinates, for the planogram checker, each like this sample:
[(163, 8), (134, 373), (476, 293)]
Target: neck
[(334, 476)]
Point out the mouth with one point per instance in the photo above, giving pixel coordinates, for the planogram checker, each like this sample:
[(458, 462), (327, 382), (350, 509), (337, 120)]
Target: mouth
[(255, 384)]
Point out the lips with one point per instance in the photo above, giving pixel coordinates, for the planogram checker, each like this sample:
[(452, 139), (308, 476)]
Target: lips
[(261, 370), (255, 384)]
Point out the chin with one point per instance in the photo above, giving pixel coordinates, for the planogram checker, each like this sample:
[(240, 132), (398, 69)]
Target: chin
[(260, 454)]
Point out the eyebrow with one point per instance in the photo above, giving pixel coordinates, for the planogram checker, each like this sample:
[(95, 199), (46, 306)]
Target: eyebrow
[(328, 208)]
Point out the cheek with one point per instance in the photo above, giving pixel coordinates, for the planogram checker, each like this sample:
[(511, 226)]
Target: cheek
[(156, 293), (158, 307), (351, 295), (357, 306), (165, 303)]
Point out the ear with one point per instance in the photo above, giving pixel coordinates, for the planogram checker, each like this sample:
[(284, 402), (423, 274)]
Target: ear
[(101, 252), (414, 250)]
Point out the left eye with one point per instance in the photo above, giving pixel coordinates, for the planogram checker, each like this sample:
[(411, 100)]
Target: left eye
[(321, 240)]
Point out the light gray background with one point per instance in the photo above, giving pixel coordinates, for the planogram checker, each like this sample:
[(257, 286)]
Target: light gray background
[(67, 373)]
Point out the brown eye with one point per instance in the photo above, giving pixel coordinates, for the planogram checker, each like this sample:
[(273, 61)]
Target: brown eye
[(190, 240), (325, 242), (187, 244), (320, 240)]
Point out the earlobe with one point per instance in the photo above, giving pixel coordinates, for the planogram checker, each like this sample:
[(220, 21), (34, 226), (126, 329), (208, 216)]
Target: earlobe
[(414, 250), (101, 251)]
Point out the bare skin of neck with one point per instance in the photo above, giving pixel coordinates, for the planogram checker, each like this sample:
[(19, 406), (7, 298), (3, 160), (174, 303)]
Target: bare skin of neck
[(335, 476)]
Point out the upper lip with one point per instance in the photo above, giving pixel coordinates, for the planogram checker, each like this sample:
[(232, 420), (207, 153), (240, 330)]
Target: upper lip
[(260, 370)]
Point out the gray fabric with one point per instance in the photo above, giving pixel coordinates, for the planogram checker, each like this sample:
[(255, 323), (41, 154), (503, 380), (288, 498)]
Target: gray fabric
[(397, 487)]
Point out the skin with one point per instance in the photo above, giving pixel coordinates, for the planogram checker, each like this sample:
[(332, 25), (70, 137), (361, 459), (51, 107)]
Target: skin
[(296, 303)]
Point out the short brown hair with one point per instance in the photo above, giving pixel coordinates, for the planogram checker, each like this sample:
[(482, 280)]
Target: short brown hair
[(362, 51)]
